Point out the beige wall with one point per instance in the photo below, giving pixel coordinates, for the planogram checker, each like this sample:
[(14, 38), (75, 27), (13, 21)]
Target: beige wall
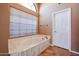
[(46, 11), (4, 28)]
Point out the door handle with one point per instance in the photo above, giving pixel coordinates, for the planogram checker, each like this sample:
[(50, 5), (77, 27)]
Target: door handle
[(54, 31)]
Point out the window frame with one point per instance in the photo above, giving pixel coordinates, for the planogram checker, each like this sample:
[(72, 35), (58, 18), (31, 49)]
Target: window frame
[(31, 8)]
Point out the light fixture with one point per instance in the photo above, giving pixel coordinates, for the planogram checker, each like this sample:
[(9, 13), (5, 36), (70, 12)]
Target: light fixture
[(59, 3)]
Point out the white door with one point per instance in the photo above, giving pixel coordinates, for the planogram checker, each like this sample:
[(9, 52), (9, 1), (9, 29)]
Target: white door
[(62, 28)]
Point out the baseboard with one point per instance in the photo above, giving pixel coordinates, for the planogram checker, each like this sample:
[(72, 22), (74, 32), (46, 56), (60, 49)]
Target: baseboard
[(52, 45), (69, 50), (74, 52)]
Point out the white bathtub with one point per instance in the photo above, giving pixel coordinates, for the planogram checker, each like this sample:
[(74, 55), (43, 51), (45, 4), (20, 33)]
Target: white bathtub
[(28, 46)]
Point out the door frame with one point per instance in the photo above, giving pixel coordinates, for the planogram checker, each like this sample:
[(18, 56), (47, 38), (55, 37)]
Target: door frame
[(53, 23)]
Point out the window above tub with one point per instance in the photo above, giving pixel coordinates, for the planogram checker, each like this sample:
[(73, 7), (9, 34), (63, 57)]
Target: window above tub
[(29, 6)]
